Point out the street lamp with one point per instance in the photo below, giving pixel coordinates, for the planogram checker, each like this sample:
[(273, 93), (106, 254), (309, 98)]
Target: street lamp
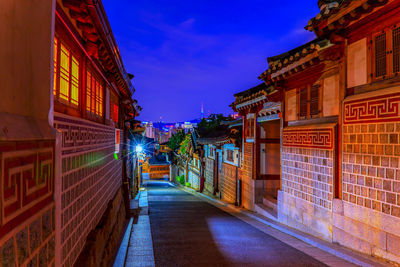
[(139, 149)]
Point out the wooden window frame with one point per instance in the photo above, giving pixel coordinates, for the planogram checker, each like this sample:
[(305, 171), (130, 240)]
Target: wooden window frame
[(97, 99), (389, 53), (229, 153), (308, 101), (56, 68), (250, 127)]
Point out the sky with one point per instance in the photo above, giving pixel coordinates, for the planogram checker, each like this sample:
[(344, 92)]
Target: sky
[(185, 53)]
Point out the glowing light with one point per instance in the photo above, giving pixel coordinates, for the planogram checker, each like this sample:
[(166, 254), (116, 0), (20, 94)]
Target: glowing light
[(139, 149), (116, 156)]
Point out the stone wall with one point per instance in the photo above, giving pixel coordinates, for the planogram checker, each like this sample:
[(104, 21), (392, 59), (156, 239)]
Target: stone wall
[(90, 177), (27, 227), (369, 214), (209, 176), (308, 161), (103, 241), (194, 179), (228, 183)]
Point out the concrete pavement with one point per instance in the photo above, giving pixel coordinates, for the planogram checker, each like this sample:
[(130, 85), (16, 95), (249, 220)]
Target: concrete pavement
[(187, 231)]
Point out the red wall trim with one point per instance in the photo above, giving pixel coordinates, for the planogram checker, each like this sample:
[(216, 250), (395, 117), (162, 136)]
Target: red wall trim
[(385, 108), (309, 138)]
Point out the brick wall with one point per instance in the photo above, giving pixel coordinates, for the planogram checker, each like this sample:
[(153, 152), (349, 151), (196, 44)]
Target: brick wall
[(308, 174), (228, 183), (247, 177), (305, 200), (194, 179), (27, 220), (90, 178), (368, 216), (208, 175)]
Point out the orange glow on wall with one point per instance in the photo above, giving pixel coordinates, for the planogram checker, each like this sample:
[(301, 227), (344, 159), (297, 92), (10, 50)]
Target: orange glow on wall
[(55, 62)]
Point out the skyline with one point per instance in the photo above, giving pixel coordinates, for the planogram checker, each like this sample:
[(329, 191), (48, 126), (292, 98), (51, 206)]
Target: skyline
[(188, 54)]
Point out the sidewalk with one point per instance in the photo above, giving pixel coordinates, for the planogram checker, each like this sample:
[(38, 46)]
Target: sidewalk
[(136, 248), (261, 222)]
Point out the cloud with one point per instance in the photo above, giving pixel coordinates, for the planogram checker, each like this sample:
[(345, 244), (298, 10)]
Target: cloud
[(187, 67)]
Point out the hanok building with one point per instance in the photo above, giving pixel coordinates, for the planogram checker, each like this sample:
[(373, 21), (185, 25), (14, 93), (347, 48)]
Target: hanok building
[(367, 213), (65, 99), (260, 177), (221, 161), (341, 122)]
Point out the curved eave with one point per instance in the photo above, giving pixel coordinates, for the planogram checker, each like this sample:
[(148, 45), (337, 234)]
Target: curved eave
[(338, 17)]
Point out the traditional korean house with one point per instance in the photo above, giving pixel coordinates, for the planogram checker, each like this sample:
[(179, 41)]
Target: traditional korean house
[(221, 161), (158, 167), (366, 208), (260, 180), (65, 100)]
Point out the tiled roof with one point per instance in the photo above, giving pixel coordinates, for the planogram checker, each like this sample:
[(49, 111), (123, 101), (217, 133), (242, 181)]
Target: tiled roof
[(328, 8), (253, 94), (278, 62)]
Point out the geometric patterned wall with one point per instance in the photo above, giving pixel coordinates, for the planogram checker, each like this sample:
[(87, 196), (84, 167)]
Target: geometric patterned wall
[(26, 202), (371, 153), (308, 160), (90, 178)]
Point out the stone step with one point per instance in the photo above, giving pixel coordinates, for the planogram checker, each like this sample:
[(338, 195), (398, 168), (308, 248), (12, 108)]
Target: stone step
[(266, 211), (271, 203)]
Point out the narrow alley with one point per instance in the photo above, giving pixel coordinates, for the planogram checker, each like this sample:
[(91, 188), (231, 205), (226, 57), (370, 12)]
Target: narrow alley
[(187, 230)]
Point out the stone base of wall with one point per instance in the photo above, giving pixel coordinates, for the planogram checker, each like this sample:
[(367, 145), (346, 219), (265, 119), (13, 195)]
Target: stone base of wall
[(32, 243), (367, 231), (304, 216), (103, 241)]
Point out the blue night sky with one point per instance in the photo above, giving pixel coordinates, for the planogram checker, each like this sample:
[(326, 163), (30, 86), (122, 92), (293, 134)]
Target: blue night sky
[(183, 53)]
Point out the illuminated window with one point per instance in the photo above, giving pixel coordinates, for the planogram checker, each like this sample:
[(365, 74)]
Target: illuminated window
[(114, 110), (66, 74), (115, 113), (94, 95), (55, 62)]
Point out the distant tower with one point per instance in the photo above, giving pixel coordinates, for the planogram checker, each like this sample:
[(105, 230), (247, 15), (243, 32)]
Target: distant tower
[(202, 110)]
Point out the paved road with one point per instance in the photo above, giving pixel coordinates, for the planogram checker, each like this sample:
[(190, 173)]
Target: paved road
[(187, 231)]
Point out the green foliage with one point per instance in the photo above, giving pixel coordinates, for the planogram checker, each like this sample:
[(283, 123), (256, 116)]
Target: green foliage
[(176, 139), (206, 126), (181, 179), (184, 145), (188, 184)]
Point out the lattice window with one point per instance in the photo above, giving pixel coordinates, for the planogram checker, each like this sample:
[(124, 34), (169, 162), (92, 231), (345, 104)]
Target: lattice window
[(303, 102), (66, 74), (94, 95), (380, 55), (229, 155), (396, 49), (314, 99)]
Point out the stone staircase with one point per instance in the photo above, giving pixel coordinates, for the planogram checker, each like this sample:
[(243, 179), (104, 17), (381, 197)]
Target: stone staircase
[(268, 208)]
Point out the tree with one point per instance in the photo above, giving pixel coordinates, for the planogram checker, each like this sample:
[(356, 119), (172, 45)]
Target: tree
[(176, 139), (205, 126)]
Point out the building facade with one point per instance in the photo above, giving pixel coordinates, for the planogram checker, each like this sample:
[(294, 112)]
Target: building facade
[(63, 124)]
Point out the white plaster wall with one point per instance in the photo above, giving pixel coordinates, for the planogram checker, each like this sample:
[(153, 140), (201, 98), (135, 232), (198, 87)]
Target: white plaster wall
[(291, 107), (331, 96), (357, 63)]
